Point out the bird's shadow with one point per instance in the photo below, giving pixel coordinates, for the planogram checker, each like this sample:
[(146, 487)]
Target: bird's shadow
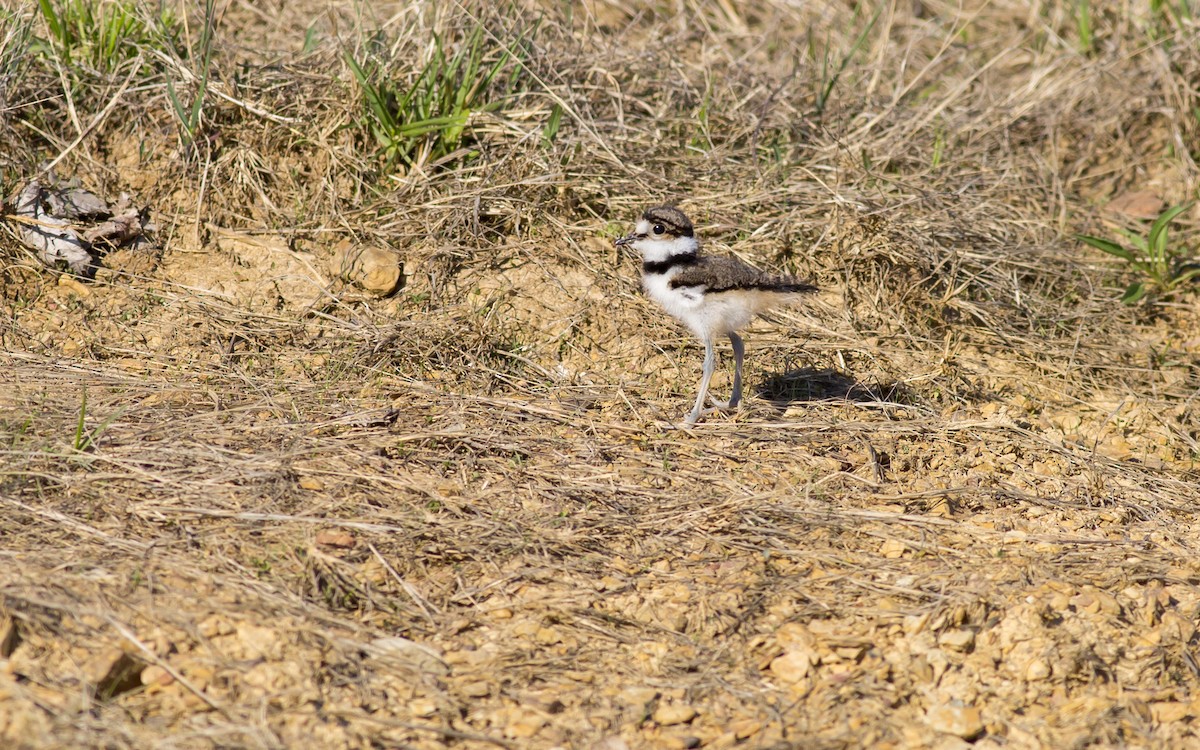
[(810, 384)]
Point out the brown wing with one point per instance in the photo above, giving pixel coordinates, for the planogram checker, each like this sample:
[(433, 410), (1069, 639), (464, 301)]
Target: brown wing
[(717, 274)]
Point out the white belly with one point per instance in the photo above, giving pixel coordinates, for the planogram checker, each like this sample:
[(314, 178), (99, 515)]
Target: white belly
[(711, 314)]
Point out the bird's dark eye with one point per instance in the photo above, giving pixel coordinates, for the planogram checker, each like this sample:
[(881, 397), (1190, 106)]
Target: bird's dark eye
[(658, 229)]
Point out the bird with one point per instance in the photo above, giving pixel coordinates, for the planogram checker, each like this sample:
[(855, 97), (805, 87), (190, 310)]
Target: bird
[(713, 296)]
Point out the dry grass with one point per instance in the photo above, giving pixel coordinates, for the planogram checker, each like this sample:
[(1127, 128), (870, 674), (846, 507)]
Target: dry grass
[(960, 508)]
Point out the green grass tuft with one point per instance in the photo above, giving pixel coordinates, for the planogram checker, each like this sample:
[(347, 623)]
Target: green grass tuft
[(430, 118), (1164, 267), (101, 37)]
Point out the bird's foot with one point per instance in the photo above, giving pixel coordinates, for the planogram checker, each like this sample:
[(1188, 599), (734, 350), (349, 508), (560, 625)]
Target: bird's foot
[(694, 416)]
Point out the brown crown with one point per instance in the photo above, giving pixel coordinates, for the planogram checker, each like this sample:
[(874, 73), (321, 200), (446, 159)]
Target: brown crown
[(672, 219)]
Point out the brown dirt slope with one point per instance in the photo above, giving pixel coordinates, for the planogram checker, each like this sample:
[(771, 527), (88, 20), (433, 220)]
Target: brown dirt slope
[(248, 503)]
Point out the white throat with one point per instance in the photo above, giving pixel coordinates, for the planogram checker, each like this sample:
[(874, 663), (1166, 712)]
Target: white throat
[(656, 251)]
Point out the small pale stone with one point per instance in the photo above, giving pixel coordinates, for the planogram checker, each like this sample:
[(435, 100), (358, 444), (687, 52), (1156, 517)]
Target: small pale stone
[(745, 728), (524, 725), (376, 269), (1165, 712), (957, 640), (419, 655), (1037, 669), (422, 707), (74, 286), (892, 549), (670, 714), (258, 642), (637, 696), (792, 666), (339, 539), (961, 721), (478, 689), (156, 675), (547, 636), (311, 483)]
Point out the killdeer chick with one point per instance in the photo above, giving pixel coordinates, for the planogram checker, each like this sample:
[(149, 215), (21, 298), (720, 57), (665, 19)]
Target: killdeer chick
[(711, 296)]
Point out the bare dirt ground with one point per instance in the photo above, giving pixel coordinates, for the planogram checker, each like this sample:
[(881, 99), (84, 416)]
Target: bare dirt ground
[(248, 503)]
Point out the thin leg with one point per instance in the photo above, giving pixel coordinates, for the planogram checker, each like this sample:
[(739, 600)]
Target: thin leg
[(739, 352), (710, 366)]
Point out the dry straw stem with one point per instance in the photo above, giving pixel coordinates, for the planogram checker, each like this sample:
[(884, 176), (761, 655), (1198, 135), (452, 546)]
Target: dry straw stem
[(959, 504)]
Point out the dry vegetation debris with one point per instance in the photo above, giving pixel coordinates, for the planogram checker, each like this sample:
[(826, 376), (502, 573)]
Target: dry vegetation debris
[(258, 496)]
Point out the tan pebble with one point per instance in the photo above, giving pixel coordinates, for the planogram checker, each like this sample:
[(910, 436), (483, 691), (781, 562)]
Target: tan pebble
[(1085, 602), (960, 721), (850, 653), (1037, 669), (914, 624), (526, 629), (311, 483), (957, 640), (425, 657), (1108, 603), (422, 707), (892, 549), (637, 696), (525, 725), (1165, 712), (792, 666), (478, 689), (376, 269), (74, 286), (340, 539), (745, 728), (1149, 638), (609, 583), (547, 636), (214, 626), (611, 743), (504, 613), (672, 742), (258, 642), (670, 714), (156, 675), (199, 675)]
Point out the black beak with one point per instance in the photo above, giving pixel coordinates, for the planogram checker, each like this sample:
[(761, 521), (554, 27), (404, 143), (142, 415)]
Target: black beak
[(628, 239)]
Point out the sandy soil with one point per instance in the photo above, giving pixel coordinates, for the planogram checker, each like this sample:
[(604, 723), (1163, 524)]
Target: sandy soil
[(251, 503)]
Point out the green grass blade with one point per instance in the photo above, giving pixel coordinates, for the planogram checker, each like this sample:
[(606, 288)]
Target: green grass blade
[(1137, 240), (831, 82), (81, 436), (1107, 246), (1185, 276), (53, 20), (1134, 292), (550, 129), (1158, 231), (433, 124)]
